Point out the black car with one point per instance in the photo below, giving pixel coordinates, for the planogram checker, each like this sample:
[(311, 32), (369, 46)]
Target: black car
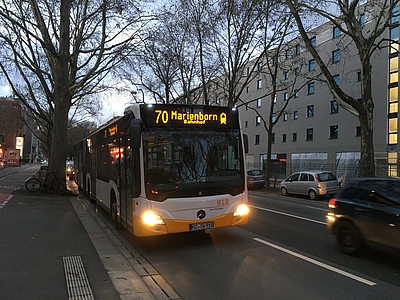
[(366, 211)]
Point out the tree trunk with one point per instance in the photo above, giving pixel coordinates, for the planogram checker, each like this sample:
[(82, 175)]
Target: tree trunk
[(268, 167), (62, 95), (366, 117), (367, 162), (58, 146)]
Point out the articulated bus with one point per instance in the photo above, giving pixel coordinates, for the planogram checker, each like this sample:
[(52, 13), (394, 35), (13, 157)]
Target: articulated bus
[(167, 168)]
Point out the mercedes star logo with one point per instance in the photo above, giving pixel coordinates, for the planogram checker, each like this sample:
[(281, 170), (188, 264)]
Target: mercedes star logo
[(201, 214)]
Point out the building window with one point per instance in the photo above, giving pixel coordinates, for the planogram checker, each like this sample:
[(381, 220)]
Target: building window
[(336, 78), (295, 115), (394, 69), (273, 117), (258, 121), (284, 138), (309, 134), (359, 76), (296, 71), (313, 41), (311, 65), (246, 124), (284, 117), (362, 20), (297, 49), (395, 15), (287, 54), (394, 36), (333, 132), (258, 102), (247, 89), (294, 137), (310, 88), (310, 111), (296, 93), (334, 107), (285, 96), (392, 164), (393, 131), (257, 139), (336, 56), (393, 100), (248, 71), (286, 75), (259, 66), (336, 32), (358, 131), (259, 84)]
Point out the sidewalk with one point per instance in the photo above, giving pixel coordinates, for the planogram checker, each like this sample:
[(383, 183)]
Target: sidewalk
[(57, 247)]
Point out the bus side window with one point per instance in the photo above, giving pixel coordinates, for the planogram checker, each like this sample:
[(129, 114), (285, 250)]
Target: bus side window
[(136, 173)]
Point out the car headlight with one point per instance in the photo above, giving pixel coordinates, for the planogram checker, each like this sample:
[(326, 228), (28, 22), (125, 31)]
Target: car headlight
[(331, 217), (241, 210), (150, 218)]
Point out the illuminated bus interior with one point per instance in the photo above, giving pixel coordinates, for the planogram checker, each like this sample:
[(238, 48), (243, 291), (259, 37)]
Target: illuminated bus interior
[(192, 163)]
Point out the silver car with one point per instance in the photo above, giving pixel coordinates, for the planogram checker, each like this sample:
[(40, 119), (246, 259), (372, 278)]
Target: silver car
[(311, 183), (255, 179)]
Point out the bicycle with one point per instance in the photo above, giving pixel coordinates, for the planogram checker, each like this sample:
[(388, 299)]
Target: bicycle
[(50, 180)]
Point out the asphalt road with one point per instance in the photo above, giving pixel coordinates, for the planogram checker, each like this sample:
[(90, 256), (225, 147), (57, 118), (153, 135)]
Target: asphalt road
[(284, 252)]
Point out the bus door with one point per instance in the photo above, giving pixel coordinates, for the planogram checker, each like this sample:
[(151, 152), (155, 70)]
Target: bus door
[(126, 182)]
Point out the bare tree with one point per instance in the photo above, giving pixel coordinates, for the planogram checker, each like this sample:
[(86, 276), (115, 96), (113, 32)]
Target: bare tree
[(54, 53), (76, 133), (367, 40), (173, 59), (197, 18), (236, 43), (274, 38)]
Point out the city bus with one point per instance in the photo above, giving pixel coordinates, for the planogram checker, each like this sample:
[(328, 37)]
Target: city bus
[(167, 168)]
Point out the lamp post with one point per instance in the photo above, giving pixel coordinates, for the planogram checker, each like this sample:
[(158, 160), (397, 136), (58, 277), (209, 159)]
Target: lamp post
[(134, 93)]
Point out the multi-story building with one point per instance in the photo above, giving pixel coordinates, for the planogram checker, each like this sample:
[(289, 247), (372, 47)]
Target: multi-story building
[(13, 132), (315, 131)]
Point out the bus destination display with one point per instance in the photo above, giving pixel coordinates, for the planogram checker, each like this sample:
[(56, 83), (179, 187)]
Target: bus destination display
[(178, 115)]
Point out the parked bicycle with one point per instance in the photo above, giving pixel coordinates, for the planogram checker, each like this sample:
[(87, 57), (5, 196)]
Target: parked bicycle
[(46, 180)]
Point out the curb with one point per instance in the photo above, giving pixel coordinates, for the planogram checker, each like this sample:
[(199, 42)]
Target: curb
[(132, 276)]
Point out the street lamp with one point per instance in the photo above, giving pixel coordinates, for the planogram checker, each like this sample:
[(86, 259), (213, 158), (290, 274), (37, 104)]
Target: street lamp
[(134, 93)]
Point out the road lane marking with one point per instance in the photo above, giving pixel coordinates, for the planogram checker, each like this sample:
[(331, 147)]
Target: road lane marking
[(317, 208), (4, 198), (288, 215), (317, 263)]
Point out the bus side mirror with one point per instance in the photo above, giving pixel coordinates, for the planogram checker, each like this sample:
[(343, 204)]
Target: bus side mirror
[(246, 143), (135, 133)]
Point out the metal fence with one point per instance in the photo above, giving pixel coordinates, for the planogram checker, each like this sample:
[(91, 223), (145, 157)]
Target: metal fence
[(281, 170)]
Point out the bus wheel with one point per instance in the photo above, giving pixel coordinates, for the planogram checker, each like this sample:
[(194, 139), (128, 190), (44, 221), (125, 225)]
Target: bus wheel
[(114, 215)]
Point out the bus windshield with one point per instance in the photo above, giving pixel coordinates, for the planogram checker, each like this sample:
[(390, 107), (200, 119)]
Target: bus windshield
[(186, 163)]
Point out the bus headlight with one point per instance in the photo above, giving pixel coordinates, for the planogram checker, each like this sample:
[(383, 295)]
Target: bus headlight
[(241, 210), (150, 218)]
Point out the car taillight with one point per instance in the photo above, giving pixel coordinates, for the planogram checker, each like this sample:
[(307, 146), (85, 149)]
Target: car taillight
[(317, 178), (332, 203)]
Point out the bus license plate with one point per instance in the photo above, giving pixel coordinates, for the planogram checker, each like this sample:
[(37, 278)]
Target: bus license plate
[(201, 226)]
